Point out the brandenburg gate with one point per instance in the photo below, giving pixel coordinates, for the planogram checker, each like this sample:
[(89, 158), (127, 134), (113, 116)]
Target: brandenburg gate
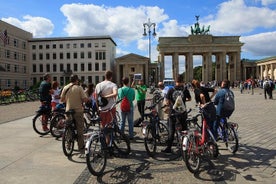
[(222, 49)]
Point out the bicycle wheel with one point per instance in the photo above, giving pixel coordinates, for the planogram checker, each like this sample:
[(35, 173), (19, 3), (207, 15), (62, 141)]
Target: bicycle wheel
[(57, 125), (232, 141), (191, 156), (150, 142), (120, 142), (95, 156), (68, 141), (163, 132), (40, 127)]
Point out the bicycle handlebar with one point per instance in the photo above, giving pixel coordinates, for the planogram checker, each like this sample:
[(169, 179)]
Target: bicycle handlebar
[(153, 105)]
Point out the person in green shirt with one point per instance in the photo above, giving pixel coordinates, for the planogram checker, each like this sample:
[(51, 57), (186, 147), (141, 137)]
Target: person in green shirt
[(140, 96), (127, 91)]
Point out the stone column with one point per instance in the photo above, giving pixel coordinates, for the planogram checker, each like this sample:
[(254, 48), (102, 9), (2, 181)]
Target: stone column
[(189, 73), (223, 66), (162, 71), (207, 67), (262, 72), (238, 66), (175, 63)]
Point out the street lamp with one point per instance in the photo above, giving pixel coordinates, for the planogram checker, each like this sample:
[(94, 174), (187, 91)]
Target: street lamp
[(149, 25)]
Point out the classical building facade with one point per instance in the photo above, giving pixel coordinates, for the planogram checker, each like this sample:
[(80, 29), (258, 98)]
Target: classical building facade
[(130, 64), (88, 57), (14, 57), (225, 49), (266, 68), (24, 59)]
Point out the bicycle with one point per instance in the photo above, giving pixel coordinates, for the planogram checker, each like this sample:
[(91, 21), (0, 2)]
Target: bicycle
[(154, 131), (42, 119), (57, 122), (97, 149), (198, 141), (227, 132)]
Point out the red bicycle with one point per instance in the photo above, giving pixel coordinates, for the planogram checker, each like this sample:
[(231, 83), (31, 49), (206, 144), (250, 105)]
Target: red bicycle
[(198, 142)]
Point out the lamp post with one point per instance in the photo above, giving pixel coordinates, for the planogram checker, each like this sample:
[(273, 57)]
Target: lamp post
[(148, 26)]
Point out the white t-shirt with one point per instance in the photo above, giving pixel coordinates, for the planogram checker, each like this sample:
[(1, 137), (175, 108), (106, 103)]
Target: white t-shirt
[(55, 93), (106, 87)]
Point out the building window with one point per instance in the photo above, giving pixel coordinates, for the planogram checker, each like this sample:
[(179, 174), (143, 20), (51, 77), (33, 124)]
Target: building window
[(61, 69), (61, 46), (54, 56), (47, 67), (103, 44), (24, 45), (75, 55), (89, 66), (16, 68), (41, 68), (89, 45), (33, 47), (68, 45), (96, 66), (24, 69), (82, 78), (34, 56), (68, 67), (7, 54), (132, 69), (47, 46), (47, 56), (40, 56), (40, 47), (100, 55), (75, 67), (34, 68), (8, 83), (82, 55), (68, 55), (96, 45), (61, 55), (89, 79), (97, 79), (103, 66), (82, 45), (54, 67), (15, 43), (8, 67), (74, 45), (82, 67), (54, 46), (89, 55), (15, 55), (24, 57)]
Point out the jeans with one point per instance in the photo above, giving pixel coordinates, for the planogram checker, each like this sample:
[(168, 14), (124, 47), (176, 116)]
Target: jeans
[(129, 116)]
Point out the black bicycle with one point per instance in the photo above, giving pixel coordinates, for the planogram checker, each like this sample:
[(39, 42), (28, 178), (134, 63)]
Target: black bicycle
[(97, 148), (154, 131), (42, 119)]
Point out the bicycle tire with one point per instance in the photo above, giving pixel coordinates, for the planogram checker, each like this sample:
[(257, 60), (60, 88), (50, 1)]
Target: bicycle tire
[(232, 142), (163, 132), (95, 156), (68, 141), (37, 125), (57, 125), (150, 142), (191, 156), (120, 142)]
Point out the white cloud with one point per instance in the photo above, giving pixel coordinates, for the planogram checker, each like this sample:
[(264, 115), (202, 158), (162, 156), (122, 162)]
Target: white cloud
[(268, 2), (38, 26), (263, 44)]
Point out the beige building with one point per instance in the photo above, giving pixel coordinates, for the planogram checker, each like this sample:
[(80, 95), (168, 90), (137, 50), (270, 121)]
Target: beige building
[(14, 57), (266, 68), (88, 57), (24, 59)]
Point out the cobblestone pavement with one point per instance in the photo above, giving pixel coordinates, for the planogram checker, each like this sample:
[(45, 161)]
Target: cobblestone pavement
[(253, 163)]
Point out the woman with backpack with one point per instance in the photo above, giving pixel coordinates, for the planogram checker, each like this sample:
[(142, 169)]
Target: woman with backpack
[(127, 95)]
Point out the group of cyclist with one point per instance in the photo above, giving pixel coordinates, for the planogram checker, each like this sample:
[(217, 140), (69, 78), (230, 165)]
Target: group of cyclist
[(74, 96)]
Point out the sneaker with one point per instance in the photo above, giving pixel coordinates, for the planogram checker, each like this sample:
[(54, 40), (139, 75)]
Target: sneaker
[(167, 150)]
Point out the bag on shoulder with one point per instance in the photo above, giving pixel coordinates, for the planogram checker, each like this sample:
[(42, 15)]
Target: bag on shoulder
[(266, 85), (125, 104), (228, 106), (179, 105), (102, 101), (209, 112)]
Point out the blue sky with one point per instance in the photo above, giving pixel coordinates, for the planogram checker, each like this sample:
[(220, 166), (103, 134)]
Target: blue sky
[(253, 20)]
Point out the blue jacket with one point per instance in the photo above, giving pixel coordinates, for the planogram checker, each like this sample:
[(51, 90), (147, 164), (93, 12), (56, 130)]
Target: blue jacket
[(219, 100)]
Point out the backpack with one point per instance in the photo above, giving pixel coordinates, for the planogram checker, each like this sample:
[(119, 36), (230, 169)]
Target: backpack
[(266, 85), (228, 106), (125, 104), (178, 105)]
